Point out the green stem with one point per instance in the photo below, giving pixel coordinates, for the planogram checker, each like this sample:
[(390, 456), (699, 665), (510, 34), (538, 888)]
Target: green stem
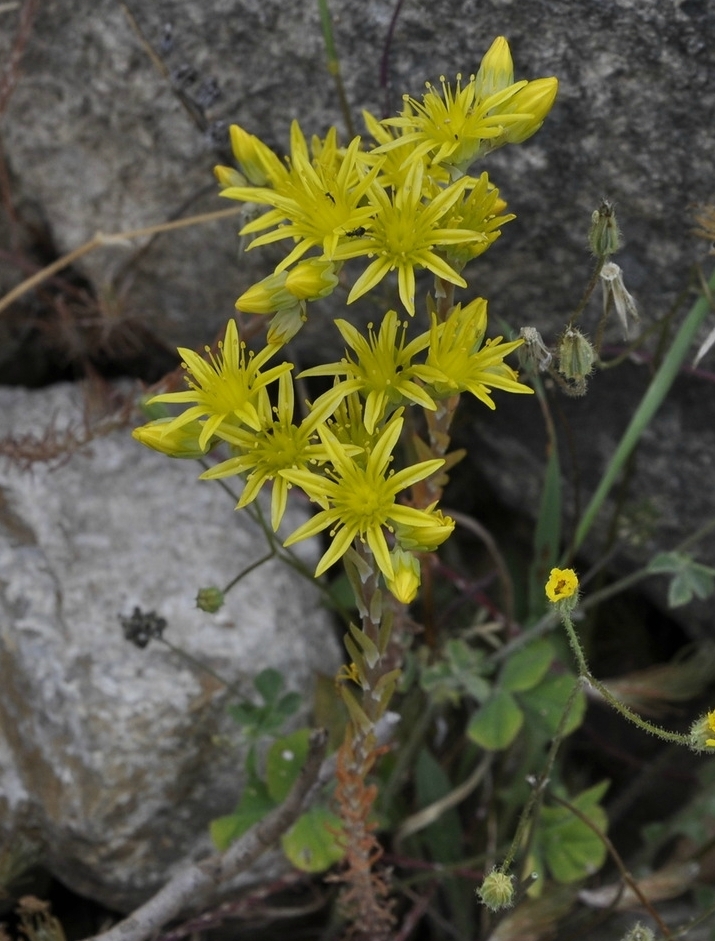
[(651, 402), (537, 793), (616, 704), (334, 65)]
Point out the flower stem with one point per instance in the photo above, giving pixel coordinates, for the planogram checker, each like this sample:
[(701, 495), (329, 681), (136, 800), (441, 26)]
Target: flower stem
[(620, 707)]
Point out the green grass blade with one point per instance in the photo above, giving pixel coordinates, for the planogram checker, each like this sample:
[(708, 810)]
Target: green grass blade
[(651, 402)]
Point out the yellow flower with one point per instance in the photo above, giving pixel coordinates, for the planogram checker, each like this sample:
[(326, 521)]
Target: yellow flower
[(383, 374), (277, 446), (478, 211), (562, 584), (229, 388), (457, 361), (464, 122), (402, 232), (358, 497), (316, 204)]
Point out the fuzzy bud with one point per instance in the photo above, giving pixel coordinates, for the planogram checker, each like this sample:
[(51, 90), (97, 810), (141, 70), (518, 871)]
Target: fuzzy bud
[(210, 599), (576, 355), (497, 890), (639, 932), (604, 236), (702, 733)]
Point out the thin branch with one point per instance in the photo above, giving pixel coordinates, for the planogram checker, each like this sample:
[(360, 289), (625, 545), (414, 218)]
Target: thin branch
[(616, 857), (100, 240), (200, 880)]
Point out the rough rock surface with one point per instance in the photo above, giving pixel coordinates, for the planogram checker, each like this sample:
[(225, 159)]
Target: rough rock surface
[(97, 136), (117, 757)]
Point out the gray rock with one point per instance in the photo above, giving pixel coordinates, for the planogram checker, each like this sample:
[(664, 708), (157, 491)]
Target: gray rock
[(118, 757), (96, 137), (99, 138)]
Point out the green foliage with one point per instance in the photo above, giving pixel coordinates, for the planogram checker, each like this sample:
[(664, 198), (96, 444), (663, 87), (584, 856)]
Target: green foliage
[(689, 578), (459, 673), (253, 806), (497, 723), (285, 758), (269, 718), (564, 845), (443, 838), (526, 693)]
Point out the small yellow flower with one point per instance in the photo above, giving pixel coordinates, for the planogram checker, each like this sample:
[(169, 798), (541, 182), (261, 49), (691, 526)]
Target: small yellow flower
[(562, 584), (382, 371), (457, 362), (228, 389)]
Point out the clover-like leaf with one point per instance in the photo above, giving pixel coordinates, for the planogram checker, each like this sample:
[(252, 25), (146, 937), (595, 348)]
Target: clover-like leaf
[(497, 723)]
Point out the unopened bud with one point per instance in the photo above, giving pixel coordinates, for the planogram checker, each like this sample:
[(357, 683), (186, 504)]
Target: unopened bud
[(497, 890), (407, 575), (210, 599), (164, 436), (576, 355), (605, 236)]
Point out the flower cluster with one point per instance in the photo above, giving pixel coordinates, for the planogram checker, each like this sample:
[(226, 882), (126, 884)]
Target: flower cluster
[(404, 204)]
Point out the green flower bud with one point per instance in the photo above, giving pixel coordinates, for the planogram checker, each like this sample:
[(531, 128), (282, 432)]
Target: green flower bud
[(210, 599), (605, 236), (497, 890), (576, 355)]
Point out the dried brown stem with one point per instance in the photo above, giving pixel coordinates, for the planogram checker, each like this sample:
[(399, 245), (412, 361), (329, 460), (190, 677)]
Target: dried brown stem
[(100, 240)]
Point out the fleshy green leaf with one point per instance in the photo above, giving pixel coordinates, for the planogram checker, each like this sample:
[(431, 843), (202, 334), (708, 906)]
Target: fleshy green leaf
[(527, 667), (285, 758), (497, 723), (313, 842)]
